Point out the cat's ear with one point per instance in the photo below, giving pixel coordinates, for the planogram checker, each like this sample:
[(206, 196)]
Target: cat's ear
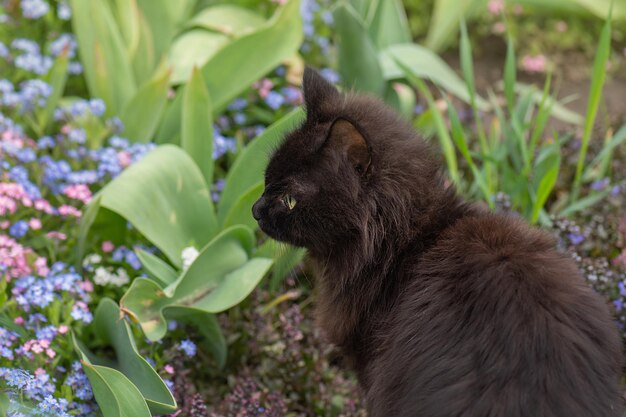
[(346, 139), (317, 90)]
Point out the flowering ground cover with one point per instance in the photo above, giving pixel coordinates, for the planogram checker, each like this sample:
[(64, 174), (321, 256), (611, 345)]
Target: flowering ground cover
[(68, 276)]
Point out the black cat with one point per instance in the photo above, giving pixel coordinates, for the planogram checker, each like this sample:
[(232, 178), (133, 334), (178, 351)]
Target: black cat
[(442, 308)]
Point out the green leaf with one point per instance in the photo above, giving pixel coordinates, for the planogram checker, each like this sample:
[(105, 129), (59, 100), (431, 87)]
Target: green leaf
[(169, 129), (595, 95), (445, 20), (241, 211), (107, 66), (157, 268), (56, 78), (597, 168), (4, 404), (220, 277), (141, 115), (547, 170), (211, 332), (418, 61), (192, 49), (557, 109), (197, 125), (165, 197), (584, 203), (247, 58), (128, 382), (388, 24), (228, 19), (86, 221), (248, 168), (358, 57)]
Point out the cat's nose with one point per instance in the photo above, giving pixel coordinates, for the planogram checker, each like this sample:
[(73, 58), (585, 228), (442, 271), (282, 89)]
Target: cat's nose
[(257, 207)]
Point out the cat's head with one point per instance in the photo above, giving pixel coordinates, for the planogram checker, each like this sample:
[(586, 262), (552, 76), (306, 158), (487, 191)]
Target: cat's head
[(335, 177)]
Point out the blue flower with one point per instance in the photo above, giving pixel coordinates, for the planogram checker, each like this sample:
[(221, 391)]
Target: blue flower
[(239, 118), (575, 238), (35, 63), (97, 107), (25, 45), (77, 136), (238, 104), (274, 100), (4, 51), (34, 93), (63, 42), (45, 142), (26, 155), (188, 347), (63, 10), (222, 144), (34, 9), (19, 229)]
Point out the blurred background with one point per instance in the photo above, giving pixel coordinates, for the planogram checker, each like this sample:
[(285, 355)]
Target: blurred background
[(133, 139)]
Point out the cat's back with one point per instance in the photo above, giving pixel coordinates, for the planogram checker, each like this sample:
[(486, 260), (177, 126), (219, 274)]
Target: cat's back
[(497, 323)]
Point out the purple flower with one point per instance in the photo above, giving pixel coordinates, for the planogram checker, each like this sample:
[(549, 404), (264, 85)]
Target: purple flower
[(575, 238), (330, 75)]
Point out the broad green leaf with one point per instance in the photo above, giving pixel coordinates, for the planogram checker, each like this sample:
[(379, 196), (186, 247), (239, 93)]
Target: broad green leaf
[(4, 404), (193, 49), (144, 58), (247, 58), (157, 268), (228, 19), (142, 113), (418, 61), (445, 20), (221, 276), (388, 24), (106, 64), (197, 125), (358, 57), (169, 129), (248, 168), (112, 329), (56, 78), (241, 211), (165, 197), (161, 16), (115, 394)]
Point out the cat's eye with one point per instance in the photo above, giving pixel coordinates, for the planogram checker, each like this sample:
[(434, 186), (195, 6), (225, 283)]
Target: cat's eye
[(289, 201)]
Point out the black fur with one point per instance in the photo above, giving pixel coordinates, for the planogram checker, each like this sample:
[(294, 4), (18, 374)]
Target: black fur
[(442, 308)]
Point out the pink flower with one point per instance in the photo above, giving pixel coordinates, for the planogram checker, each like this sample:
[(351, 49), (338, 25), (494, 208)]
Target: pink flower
[(41, 265), (124, 158), (107, 246), (66, 210), (40, 372), (537, 63), (19, 320), (51, 353), (86, 286), (169, 369), (264, 87), (495, 6), (78, 192), (56, 235), (561, 26), (34, 224), (5, 224), (63, 329)]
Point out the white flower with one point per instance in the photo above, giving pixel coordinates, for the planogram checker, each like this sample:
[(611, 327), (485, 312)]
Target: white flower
[(92, 259), (189, 255), (105, 277)]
